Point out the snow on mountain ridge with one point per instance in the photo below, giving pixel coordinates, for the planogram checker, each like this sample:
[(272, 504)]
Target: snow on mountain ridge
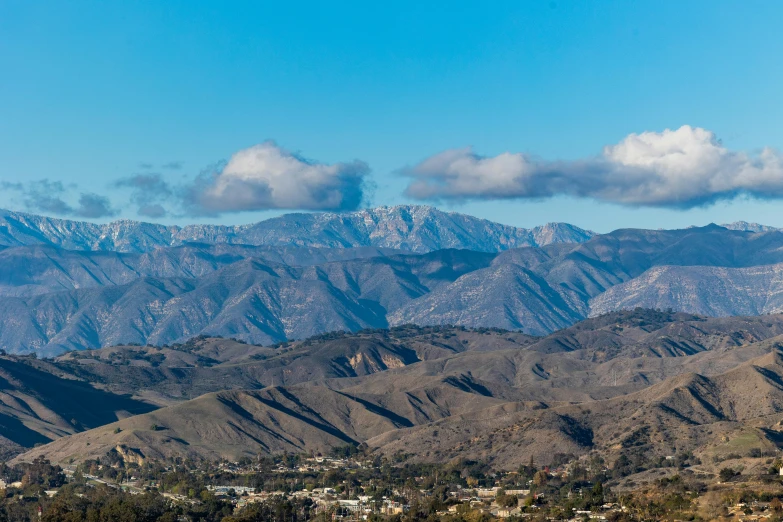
[(748, 227), (407, 227)]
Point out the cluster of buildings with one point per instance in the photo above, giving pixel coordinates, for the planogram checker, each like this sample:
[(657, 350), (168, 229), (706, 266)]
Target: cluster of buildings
[(324, 499), (306, 465)]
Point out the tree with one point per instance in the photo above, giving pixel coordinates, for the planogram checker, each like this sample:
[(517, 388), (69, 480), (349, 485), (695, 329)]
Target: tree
[(726, 474), (618, 516), (598, 493), (42, 473), (506, 501), (540, 478)]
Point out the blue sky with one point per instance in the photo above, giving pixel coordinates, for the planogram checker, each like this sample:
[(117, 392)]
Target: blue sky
[(93, 93)]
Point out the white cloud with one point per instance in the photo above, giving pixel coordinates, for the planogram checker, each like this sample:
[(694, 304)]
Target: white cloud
[(266, 176), (680, 168)]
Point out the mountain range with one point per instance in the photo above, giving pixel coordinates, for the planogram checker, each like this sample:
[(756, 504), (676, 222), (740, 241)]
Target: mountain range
[(413, 333), (294, 283), (404, 227)]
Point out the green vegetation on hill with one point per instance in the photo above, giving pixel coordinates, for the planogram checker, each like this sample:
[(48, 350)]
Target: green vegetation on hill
[(302, 487)]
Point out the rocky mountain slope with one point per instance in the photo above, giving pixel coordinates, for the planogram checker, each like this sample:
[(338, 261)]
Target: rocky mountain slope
[(748, 227), (717, 291), (35, 270), (56, 300), (404, 227)]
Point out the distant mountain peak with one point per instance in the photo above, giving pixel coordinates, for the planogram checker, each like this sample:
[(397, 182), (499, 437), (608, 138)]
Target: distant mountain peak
[(744, 226), (415, 228)]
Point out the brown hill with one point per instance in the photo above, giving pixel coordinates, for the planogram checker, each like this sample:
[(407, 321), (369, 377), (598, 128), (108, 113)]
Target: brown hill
[(301, 418), (605, 385), (689, 412), (38, 405), (204, 365)]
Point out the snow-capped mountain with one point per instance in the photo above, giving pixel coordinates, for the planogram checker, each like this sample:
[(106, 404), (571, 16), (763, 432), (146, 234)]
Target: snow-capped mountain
[(404, 227)]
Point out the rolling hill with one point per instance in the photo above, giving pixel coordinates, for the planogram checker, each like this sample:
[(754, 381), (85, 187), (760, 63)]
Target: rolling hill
[(650, 381)]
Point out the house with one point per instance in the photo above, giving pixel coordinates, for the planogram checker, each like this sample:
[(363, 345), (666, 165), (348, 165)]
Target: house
[(351, 505), (393, 508), (508, 512), (487, 492)]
